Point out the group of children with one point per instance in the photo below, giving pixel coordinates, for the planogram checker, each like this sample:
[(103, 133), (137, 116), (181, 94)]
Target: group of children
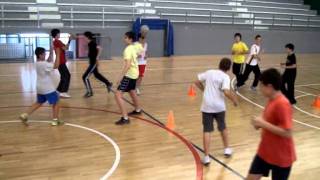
[(242, 66), (134, 56), (276, 150)]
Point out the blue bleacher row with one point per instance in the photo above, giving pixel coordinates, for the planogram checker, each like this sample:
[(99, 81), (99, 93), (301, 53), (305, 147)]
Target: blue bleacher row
[(103, 13)]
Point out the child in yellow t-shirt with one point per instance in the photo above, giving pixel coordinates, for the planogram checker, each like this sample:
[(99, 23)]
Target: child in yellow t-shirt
[(239, 50), (128, 78)]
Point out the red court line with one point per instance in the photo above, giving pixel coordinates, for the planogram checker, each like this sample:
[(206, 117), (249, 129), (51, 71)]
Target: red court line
[(199, 167)]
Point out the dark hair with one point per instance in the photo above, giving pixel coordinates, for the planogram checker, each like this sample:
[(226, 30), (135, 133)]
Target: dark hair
[(257, 36), (238, 35), (271, 76), (225, 64), (290, 46), (140, 36), (130, 35), (88, 34), (55, 32), (39, 51)]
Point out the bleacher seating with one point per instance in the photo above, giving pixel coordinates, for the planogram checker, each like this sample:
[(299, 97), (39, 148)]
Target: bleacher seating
[(104, 13)]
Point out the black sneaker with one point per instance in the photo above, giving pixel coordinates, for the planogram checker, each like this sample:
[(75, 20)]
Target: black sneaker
[(109, 87), (122, 121), (87, 95), (134, 112)]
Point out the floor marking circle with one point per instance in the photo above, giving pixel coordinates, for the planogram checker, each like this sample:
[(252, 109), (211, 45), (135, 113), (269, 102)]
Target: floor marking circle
[(199, 167), (115, 146), (261, 107)]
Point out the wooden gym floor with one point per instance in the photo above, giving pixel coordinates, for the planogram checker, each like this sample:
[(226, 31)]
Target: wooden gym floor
[(87, 147)]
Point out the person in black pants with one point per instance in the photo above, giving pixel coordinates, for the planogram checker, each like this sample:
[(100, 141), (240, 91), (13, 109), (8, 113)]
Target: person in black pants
[(252, 64), (93, 52), (60, 50), (239, 50), (289, 75)]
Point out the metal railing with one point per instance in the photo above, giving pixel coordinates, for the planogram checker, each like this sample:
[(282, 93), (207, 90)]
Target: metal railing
[(128, 13)]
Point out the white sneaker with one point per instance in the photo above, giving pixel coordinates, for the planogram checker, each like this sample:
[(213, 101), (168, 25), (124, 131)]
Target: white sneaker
[(24, 118), (138, 91), (206, 160), (228, 152), (65, 95)]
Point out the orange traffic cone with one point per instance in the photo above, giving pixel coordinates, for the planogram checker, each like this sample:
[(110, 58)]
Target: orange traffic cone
[(192, 91), (170, 122), (316, 102)]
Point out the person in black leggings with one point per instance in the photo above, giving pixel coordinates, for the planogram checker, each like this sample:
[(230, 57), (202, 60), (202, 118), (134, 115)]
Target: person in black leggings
[(93, 53)]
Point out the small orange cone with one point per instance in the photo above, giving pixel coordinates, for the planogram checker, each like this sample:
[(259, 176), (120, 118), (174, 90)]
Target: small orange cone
[(192, 91), (316, 102), (170, 122)]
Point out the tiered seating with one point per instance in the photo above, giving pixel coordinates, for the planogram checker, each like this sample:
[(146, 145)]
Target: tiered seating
[(103, 13)]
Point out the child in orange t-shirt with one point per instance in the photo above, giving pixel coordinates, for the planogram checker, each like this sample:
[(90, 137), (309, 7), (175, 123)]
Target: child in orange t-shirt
[(276, 151)]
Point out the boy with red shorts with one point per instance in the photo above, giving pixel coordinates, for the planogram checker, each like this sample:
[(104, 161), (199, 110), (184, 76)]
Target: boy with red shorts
[(142, 60)]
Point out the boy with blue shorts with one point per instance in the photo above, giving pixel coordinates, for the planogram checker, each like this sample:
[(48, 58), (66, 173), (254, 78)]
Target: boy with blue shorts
[(46, 88)]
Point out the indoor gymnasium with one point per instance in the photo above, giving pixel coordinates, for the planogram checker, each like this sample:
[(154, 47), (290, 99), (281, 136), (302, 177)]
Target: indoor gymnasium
[(159, 89)]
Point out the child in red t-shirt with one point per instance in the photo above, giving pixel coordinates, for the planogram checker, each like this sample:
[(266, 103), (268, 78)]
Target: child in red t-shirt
[(276, 151), (65, 75)]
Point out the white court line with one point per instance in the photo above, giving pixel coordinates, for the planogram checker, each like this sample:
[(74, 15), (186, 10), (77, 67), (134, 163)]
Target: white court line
[(261, 107), (115, 146), (306, 85), (305, 94)]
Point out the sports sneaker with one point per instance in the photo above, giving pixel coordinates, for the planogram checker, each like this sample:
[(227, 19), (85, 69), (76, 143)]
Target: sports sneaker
[(206, 160), (227, 152), (253, 88), (138, 91), (135, 112), (109, 87), (87, 95), (24, 118), (236, 88), (122, 121), (65, 95), (56, 122)]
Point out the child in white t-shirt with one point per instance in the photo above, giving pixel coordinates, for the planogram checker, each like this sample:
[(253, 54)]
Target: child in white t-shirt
[(252, 64), (215, 85), (142, 61), (46, 88)]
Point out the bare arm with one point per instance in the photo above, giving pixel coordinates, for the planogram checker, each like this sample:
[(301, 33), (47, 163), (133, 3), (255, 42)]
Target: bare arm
[(259, 122), (125, 69), (231, 96), (199, 84), (57, 61)]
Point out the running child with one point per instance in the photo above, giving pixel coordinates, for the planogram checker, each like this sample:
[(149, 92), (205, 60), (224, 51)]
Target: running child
[(290, 74), (216, 86), (239, 50), (276, 152), (65, 75), (142, 61), (94, 52), (252, 64), (128, 80), (46, 89)]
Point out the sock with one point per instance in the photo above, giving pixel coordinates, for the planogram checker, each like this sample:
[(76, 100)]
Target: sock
[(126, 118), (138, 110), (55, 119)]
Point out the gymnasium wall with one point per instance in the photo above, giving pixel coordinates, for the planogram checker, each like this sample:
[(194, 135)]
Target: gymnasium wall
[(201, 39), (207, 39)]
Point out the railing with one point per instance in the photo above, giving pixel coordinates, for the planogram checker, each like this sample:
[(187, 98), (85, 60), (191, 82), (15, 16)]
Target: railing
[(128, 13)]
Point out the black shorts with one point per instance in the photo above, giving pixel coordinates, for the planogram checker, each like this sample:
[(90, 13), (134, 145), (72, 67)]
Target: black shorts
[(127, 84), (259, 166), (207, 121)]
